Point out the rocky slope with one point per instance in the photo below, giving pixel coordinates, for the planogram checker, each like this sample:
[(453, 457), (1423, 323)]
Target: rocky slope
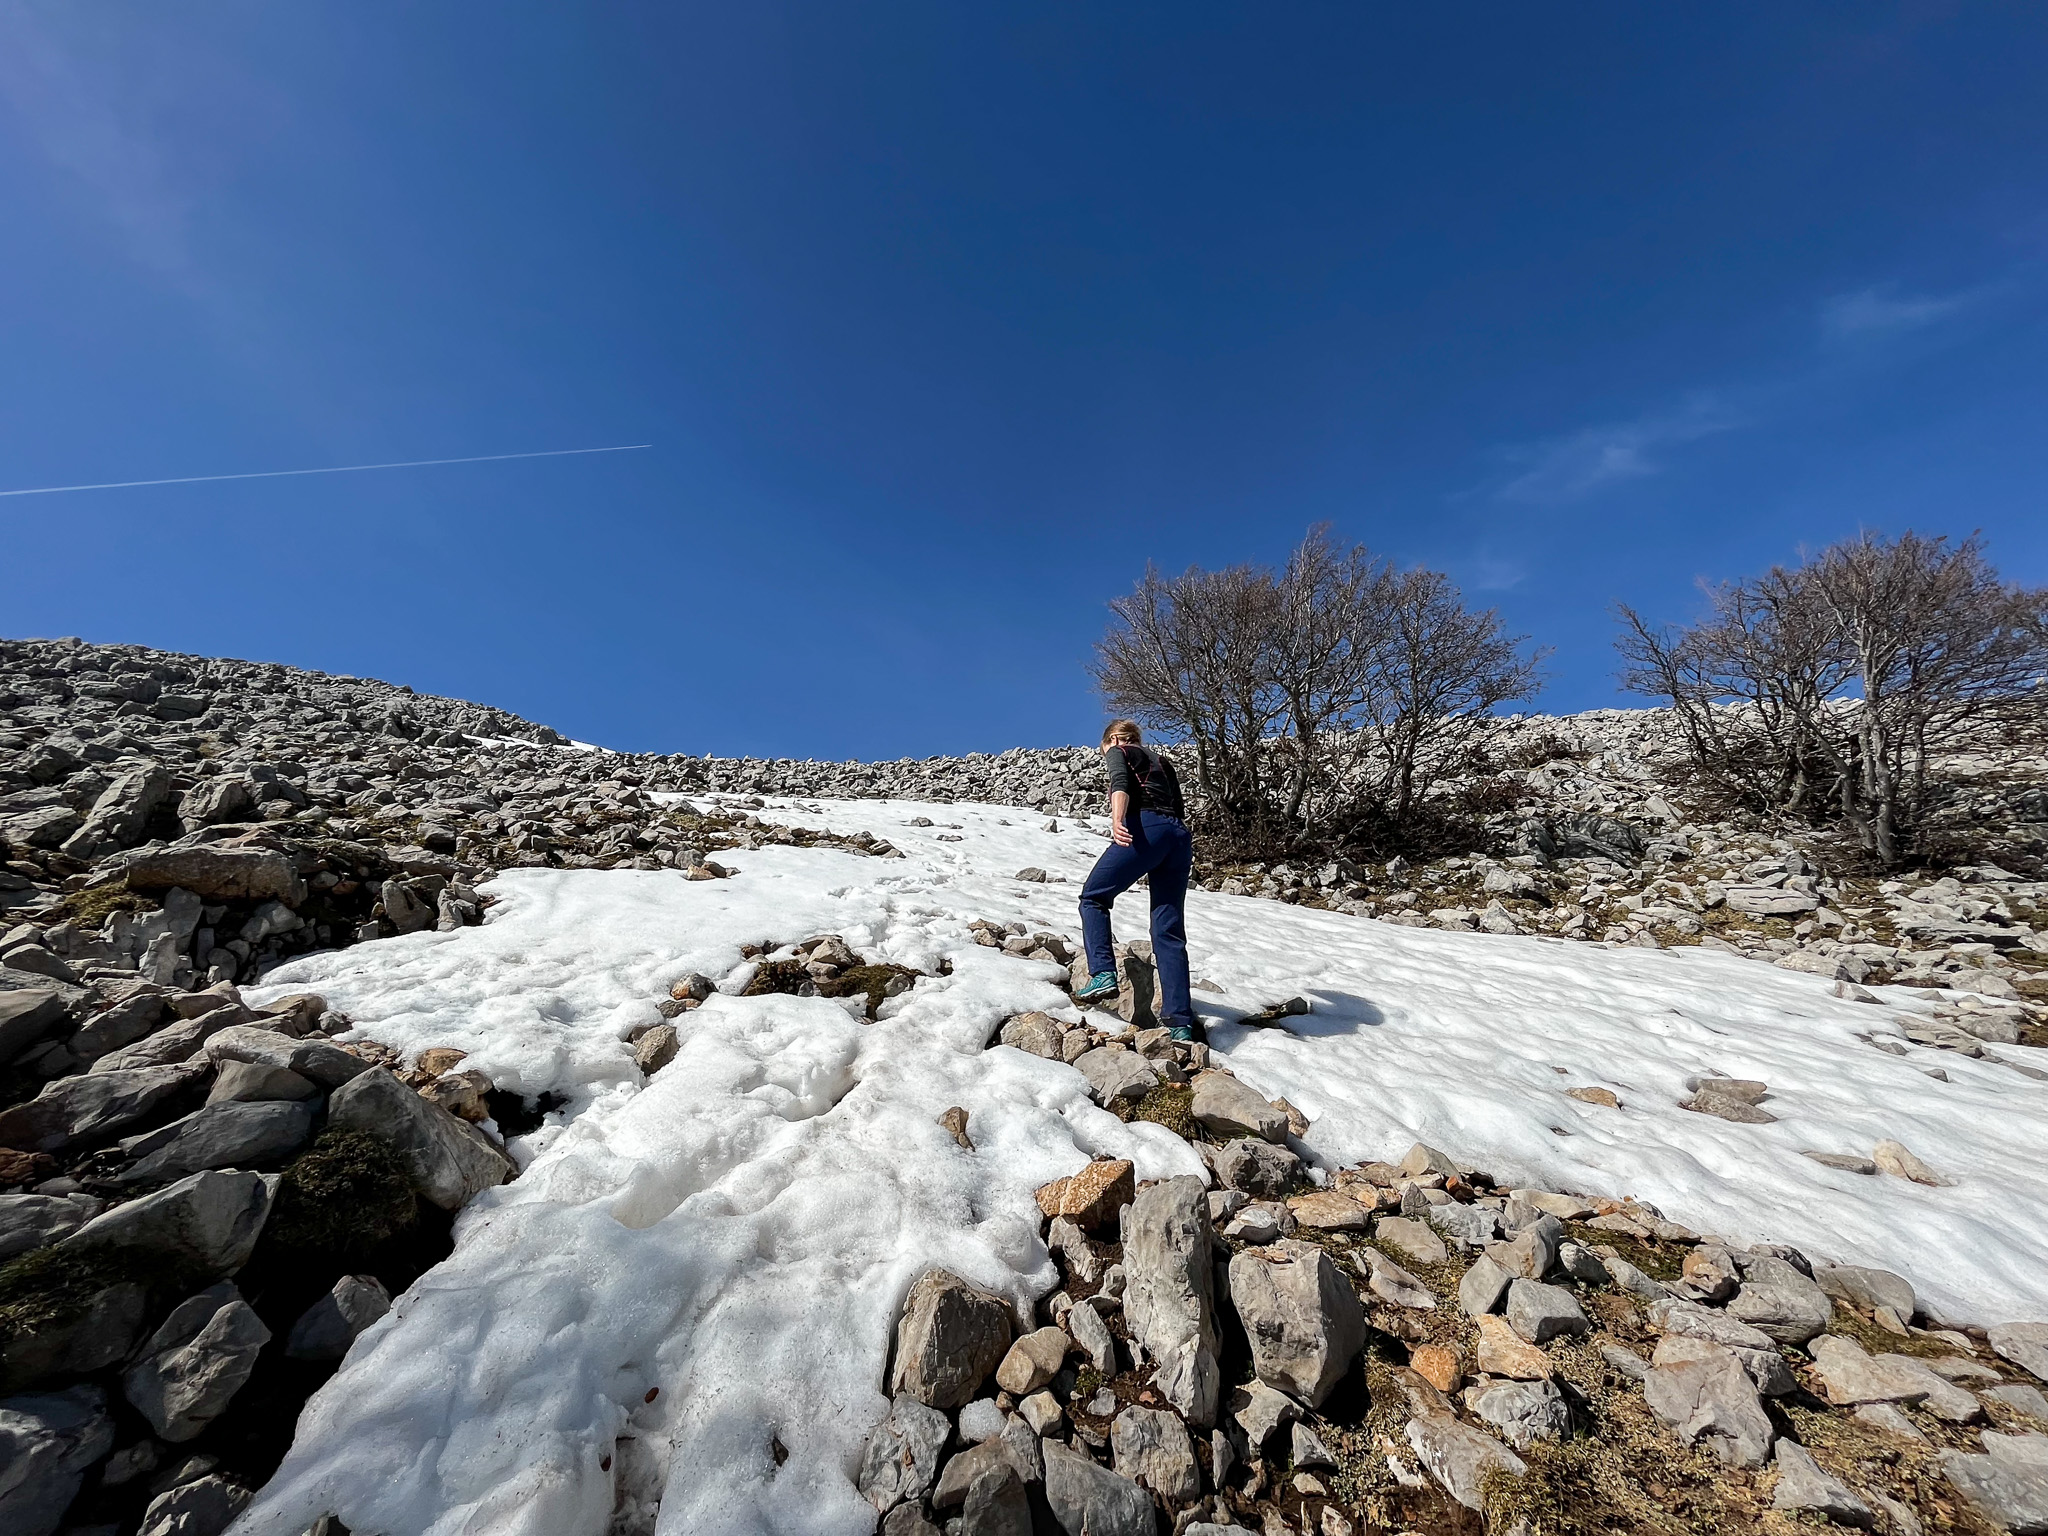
[(194, 1178)]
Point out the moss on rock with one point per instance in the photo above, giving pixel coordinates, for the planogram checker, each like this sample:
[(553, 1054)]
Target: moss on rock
[(347, 1194)]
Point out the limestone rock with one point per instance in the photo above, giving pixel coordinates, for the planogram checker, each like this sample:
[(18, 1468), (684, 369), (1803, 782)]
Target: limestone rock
[(2008, 1484), (1301, 1316), (1712, 1401), (1893, 1158), (901, 1458), (1413, 1240), (328, 1065), (1503, 1352), (656, 1049), (28, 1222), (1095, 1196), (1258, 1167), (1802, 1485), (1390, 1282), (195, 1362), (951, 1336), (1169, 1295), (91, 1106), (1330, 1210), (204, 1505), (1115, 1074), (1868, 1289), (1483, 1288), (1032, 1361), (1541, 1312), (1089, 1500), (1152, 1448), (47, 1442), (209, 1221), (1036, 1034), (231, 1135), (326, 1329), (1788, 1313), (1460, 1457), (218, 872), (449, 1161), (1225, 1106), (2024, 1344), (1522, 1412), (248, 1082)]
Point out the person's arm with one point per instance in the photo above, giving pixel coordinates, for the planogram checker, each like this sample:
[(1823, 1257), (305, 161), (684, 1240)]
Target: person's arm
[(1119, 809)]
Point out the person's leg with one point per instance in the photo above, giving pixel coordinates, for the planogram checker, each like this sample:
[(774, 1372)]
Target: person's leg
[(1169, 884), (1115, 872)]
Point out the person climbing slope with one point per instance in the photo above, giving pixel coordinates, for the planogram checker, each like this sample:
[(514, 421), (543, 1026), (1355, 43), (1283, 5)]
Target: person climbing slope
[(1148, 839)]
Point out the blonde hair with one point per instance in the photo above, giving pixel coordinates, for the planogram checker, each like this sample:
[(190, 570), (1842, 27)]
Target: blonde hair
[(1122, 730)]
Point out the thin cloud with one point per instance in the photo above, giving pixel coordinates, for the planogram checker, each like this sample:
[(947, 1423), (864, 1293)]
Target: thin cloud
[(1880, 310), (1569, 468)]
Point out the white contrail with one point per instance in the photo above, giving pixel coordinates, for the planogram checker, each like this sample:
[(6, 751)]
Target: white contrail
[(332, 469)]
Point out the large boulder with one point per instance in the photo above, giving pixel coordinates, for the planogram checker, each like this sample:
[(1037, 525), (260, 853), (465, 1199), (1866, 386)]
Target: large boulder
[(325, 1330), (123, 809), (206, 1506), (449, 1160), (208, 1221), (28, 1015), (951, 1336), (196, 1362), (230, 1135), (1090, 1500), (1460, 1457), (218, 872), (1790, 1309), (2008, 1484), (1301, 1315), (89, 1106), (47, 1441), (1169, 1293), (1868, 1288), (1224, 1105), (111, 1028), (1116, 1074), (315, 1060), (1258, 1167)]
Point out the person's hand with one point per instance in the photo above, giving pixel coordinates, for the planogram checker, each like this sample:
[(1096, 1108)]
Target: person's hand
[(1120, 834)]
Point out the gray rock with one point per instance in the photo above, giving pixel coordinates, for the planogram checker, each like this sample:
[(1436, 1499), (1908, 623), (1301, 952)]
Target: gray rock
[(1092, 1334), (450, 1161), (47, 1441), (100, 1332), (2024, 1344), (996, 1505), (1631, 1279), (1541, 1312), (1460, 1457), (1582, 1264), (1390, 1282), (1032, 1361), (209, 1221), (1766, 1368), (117, 818), (1224, 1105), (326, 1329), (1532, 1252), (1521, 1412), (1469, 1226), (35, 1221), (1691, 1320), (1868, 1289), (195, 1362), (1169, 1295), (111, 1028), (901, 1459), (91, 1106), (1308, 1450), (227, 797), (233, 1135), (316, 1060), (1787, 1313), (2018, 1395), (1152, 1448), (951, 1336), (1301, 1316), (249, 1082), (903, 1520), (1484, 1287), (1802, 1485), (1769, 901), (2008, 1484), (218, 873), (1712, 1401), (656, 1049), (1413, 1240), (1847, 1162), (206, 1506), (1258, 1167), (1889, 1418), (1625, 1360), (28, 1015), (1088, 1500), (1851, 1377), (1262, 1412), (1115, 1074)]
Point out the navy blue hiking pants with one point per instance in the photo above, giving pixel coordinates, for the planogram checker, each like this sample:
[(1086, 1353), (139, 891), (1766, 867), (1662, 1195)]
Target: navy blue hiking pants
[(1162, 850)]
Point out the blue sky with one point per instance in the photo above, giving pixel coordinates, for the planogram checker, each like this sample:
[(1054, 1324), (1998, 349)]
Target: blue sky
[(944, 319)]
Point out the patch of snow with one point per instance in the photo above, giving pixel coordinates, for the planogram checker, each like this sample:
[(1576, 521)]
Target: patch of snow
[(736, 1234)]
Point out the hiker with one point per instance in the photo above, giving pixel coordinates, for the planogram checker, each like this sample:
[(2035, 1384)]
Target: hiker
[(1148, 839)]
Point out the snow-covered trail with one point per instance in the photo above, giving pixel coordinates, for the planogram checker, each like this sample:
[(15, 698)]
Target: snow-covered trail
[(733, 1237)]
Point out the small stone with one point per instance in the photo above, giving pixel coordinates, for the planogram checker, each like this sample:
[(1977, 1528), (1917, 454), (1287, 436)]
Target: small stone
[(1460, 1457), (1391, 1282), (981, 1420), (1712, 1401), (2024, 1344), (2021, 1398), (1263, 1411), (1439, 1365), (197, 1360), (1602, 1096), (1032, 1361), (1094, 1338), (1225, 1106), (656, 1049), (1893, 1158), (1802, 1485), (1258, 1167), (1522, 1412), (1095, 1197), (1041, 1410), (1888, 1417), (2008, 1484), (901, 1459), (1484, 1287), (1151, 1447), (1503, 1352), (951, 1336), (1626, 1361), (1867, 1288), (954, 1121), (1848, 1162), (1330, 1210)]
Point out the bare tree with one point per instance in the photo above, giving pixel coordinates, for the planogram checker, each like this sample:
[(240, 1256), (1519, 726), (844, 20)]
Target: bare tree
[(1316, 698), (1825, 691)]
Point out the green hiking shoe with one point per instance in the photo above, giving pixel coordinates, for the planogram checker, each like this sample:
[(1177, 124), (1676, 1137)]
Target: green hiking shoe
[(1101, 984)]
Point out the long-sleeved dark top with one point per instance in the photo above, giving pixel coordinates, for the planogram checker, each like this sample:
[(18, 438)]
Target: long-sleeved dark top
[(1148, 779)]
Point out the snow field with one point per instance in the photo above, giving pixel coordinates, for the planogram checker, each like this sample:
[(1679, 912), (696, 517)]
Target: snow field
[(737, 1233)]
